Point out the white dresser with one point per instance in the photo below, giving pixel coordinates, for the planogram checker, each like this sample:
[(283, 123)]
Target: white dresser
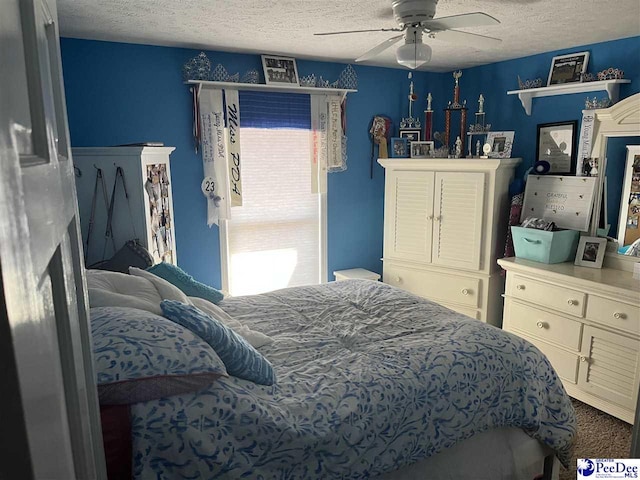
[(445, 223), (586, 321), (147, 172)]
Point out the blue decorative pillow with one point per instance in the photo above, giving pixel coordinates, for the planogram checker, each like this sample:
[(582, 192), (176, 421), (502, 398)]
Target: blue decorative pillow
[(140, 356), (240, 358), (185, 282)]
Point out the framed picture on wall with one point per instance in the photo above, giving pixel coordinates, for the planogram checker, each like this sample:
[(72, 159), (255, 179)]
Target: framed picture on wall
[(568, 68), (280, 70), (557, 144)]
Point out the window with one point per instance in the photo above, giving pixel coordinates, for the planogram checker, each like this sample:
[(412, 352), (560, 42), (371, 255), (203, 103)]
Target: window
[(276, 238)]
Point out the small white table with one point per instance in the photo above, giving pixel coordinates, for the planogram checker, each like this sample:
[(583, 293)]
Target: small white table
[(356, 273)]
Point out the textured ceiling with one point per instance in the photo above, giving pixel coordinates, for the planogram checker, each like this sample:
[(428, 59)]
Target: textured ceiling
[(286, 26)]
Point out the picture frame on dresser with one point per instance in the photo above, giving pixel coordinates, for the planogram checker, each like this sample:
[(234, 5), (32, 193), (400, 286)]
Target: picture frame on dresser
[(411, 134), (399, 147), (421, 149), (500, 143), (591, 252)]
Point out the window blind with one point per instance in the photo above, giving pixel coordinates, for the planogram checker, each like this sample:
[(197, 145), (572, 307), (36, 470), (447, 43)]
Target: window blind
[(273, 239)]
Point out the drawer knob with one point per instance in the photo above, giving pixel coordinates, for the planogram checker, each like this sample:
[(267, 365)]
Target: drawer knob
[(438, 218), (541, 324), (583, 358), (430, 217), (572, 302), (619, 315), (466, 291), (519, 287), (398, 278)]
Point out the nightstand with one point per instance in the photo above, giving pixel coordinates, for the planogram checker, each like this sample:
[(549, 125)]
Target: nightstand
[(356, 273)]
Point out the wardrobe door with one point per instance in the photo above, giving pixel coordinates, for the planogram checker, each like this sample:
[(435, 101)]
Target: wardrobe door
[(458, 216), (408, 215)]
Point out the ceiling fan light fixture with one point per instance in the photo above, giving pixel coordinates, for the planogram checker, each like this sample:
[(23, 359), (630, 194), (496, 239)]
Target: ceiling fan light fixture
[(413, 55)]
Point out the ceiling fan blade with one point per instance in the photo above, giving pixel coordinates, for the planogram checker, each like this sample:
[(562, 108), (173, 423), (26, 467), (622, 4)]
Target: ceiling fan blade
[(361, 31), (470, 39), (477, 19), (379, 48)]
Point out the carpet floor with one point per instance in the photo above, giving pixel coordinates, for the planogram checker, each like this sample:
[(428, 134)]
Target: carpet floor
[(599, 436)]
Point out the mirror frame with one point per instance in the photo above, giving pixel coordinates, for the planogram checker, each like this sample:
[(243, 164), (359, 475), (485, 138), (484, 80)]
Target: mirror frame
[(620, 120)]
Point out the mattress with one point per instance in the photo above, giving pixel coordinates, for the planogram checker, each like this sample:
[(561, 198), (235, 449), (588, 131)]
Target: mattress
[(371, 380)]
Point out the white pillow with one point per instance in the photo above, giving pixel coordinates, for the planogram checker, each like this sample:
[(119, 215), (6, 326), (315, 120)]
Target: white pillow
[(115, 289), (144, 290), (166, 290)]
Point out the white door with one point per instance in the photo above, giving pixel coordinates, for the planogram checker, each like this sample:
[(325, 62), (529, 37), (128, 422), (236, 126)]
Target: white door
[(610, 366), (457, 235), (50, 411), (408, 215)]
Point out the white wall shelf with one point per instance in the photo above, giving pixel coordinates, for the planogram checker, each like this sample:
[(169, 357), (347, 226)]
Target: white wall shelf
[(612, 87), (258, 87)]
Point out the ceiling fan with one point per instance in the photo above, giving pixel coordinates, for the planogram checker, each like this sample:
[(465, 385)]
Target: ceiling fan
[(415, 18)]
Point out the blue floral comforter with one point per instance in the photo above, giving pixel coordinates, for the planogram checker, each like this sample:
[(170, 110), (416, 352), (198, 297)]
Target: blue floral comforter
[(370, 379)]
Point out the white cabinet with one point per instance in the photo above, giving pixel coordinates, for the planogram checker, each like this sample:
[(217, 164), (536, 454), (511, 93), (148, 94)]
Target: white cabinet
[(587, 323), (148, 215), (445, 225)]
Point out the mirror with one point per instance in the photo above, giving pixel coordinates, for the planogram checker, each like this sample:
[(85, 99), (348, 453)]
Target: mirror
[(614, 128), (622, 193)]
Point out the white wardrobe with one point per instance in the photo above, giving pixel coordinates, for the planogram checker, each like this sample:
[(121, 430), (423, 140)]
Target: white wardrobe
[(148, 215), (445, 224)]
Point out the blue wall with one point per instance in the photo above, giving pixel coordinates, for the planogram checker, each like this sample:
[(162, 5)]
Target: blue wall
[(122, 93), (505, 112)]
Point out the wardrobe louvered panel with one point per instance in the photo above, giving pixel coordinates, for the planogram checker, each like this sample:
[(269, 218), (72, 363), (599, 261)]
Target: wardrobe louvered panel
[(610, 366), (410, 206), (459, 203)]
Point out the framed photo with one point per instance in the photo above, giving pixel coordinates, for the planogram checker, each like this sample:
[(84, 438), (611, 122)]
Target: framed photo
[(399, 147), (500, 143), (557, 144), (568, 68), (280, 70), (411, 134), (590, 167), (421, 149), (591, 252)]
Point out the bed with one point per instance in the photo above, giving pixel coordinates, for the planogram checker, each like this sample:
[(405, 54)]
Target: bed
[(372, 382)]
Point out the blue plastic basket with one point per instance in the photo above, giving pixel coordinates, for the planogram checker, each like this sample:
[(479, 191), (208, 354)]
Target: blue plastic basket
[(543, 246)]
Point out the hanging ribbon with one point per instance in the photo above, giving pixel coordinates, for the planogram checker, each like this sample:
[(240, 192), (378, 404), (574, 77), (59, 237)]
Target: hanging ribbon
[(334, 140), (215, 185), (233, 151), (319, 127), (586, 139)]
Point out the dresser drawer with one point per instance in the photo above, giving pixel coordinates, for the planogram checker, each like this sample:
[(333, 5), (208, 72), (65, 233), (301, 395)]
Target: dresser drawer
[(614, 314), (435, 285), (558, 298), (541, 324), (564, 363)]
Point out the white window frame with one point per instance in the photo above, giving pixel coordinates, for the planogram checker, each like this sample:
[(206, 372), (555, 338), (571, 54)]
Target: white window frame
[(224, 243)]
